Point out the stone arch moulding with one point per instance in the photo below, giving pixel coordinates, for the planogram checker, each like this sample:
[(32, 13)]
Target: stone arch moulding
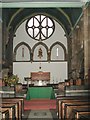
[(44, 45), (16, 48), (63, 47)]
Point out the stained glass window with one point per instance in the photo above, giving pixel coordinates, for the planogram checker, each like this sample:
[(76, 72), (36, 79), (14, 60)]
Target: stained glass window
[(40, 27)]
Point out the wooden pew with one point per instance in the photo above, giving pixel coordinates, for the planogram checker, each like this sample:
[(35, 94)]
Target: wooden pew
[(21, 104), (74, 93), (5, 114), (16, 107), (11, 109), (71, 97), (79, 111), (63, 103), (84, 116), (61, 98), (69, 107)]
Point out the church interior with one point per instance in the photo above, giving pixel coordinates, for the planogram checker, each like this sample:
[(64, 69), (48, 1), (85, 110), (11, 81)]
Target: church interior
[(44, 59)]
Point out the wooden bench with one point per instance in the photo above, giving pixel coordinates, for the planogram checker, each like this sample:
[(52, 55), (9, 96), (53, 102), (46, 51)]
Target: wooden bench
[(84, 116), (73, 94), (20, 102), (5, 114), (77, 112), (63, 103), (71, 97), (11, 109), (69, 107), (16, 107), (61, 98)]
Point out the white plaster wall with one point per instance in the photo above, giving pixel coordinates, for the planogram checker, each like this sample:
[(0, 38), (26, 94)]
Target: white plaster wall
[(58, 71), (22, 36)]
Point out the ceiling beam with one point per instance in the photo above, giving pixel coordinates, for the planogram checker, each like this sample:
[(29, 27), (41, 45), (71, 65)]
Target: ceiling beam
[(41, 4)]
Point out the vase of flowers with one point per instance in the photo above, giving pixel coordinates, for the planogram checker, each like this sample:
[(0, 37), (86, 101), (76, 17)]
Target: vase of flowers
[(12, 80)]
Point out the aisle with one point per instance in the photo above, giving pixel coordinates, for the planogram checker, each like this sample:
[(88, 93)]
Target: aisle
[(40, 115)]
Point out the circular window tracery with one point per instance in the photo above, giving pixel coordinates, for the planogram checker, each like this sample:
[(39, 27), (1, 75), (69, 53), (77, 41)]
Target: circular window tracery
[(40, 27)]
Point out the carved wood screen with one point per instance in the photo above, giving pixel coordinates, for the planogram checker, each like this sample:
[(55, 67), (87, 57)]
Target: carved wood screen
[(45, 76)]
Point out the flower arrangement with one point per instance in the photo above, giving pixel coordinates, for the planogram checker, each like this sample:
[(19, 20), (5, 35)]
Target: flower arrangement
[(12, 80)]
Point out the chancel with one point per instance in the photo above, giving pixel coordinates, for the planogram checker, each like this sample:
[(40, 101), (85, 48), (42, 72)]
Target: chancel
[(45, 59)]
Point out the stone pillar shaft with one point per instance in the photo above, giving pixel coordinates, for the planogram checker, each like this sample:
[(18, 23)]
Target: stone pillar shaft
[(86, 40)]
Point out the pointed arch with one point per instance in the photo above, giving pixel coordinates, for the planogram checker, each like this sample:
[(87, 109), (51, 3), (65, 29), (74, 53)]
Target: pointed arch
[(63, 47), (16, 48), (44, 45)]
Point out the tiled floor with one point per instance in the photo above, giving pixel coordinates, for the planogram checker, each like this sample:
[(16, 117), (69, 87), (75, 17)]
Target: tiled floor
[(40, 115)]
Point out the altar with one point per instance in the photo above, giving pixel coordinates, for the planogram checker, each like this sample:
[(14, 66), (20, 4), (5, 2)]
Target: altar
[(40, 93), (40, 78)]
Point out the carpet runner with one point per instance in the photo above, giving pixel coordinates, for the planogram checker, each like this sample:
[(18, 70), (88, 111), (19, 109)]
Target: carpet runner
[(39, 104)]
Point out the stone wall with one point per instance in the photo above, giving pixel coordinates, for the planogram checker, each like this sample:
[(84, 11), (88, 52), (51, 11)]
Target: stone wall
[(79, 55)]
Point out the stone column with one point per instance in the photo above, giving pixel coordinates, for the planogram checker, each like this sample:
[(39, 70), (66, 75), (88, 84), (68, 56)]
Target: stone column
[(69, 57), (89, 44), (0, 43), (86, 40)]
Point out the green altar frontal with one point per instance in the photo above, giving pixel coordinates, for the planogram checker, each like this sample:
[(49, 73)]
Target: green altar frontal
[(40, 92)]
